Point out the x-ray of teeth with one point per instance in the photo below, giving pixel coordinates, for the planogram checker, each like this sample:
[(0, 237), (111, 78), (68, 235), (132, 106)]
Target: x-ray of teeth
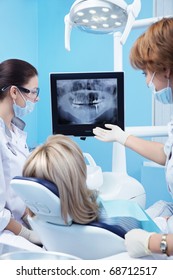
[(87, 101)]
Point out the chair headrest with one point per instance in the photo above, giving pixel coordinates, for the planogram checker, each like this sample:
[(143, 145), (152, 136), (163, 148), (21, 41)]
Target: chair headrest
[(45, 183), (42, 197)]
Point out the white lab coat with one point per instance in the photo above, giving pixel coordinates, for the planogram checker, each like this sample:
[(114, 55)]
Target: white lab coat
[(13, 153), (159, 210), (169, 153)]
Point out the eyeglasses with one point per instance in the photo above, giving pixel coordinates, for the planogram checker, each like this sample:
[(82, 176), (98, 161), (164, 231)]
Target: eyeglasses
[(31, 93)]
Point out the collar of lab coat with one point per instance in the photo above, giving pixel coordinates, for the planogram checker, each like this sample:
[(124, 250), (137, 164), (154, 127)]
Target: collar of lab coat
[(17, 123)]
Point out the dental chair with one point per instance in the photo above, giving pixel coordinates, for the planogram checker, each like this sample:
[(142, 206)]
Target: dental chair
[(92, 241)]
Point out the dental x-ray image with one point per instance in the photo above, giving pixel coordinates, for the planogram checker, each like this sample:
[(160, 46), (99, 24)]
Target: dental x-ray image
[(81, 101), (87, 101)]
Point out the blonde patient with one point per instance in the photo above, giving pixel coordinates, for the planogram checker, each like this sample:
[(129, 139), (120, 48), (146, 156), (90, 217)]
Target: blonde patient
[(61, 161)]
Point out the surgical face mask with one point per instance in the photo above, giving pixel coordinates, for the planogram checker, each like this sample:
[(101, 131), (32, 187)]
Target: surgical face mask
[(22, 111), (164, 95)]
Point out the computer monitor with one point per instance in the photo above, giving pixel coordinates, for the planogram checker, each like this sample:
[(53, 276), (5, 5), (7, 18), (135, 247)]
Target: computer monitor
[(82, 101)]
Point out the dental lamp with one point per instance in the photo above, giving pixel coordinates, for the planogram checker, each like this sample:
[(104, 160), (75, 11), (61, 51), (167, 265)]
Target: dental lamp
[(101, 16)]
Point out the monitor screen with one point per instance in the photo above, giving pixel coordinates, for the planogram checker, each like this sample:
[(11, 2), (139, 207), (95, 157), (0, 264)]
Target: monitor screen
[(82, 101)]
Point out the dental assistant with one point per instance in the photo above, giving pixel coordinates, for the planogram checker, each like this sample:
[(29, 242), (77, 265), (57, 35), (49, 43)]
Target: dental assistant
[(153, 54), (18, 96)]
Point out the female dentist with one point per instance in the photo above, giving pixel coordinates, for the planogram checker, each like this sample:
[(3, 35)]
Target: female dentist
[(18, 96), (153, 53)]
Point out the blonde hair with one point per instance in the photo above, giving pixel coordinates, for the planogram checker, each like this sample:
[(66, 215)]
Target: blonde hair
[(61, 161), (153, 50)]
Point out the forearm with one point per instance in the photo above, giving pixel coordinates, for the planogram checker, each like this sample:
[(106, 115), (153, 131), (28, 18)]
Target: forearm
[(14, 226), (151, 150), (154, 243)]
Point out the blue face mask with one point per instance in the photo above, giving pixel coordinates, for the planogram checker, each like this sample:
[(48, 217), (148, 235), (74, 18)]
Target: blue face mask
[(22, 111), (164, 95)]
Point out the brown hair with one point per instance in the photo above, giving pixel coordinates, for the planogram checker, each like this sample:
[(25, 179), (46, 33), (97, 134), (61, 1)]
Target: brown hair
[(15, 72), (153, 50), (61, 161)]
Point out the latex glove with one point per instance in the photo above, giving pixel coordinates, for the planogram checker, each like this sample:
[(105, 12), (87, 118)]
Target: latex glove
[(30, 235), (113, 133), (136, 241)]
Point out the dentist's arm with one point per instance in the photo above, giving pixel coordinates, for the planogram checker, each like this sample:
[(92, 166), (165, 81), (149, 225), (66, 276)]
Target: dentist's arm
[(20, 230), (151, 150), (140, 243)]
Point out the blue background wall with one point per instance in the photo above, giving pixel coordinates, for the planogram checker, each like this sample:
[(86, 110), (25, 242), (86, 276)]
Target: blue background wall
[(19, 39), (34, 31)]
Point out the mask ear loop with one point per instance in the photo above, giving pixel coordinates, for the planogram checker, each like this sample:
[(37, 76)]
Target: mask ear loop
[(152, 78), (22, 96), (168, 85)]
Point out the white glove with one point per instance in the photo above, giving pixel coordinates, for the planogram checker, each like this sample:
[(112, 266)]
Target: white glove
[(30, 235), (136, 241), (113, 133)]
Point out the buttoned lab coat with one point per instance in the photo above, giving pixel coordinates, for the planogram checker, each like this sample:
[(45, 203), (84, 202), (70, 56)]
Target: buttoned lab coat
[(13, 153)]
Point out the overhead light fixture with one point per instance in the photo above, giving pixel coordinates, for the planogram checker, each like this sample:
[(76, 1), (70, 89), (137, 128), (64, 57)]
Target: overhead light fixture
[(101, 17)]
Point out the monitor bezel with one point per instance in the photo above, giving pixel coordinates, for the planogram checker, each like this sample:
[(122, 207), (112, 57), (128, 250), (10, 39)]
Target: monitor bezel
[(84, 130)]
